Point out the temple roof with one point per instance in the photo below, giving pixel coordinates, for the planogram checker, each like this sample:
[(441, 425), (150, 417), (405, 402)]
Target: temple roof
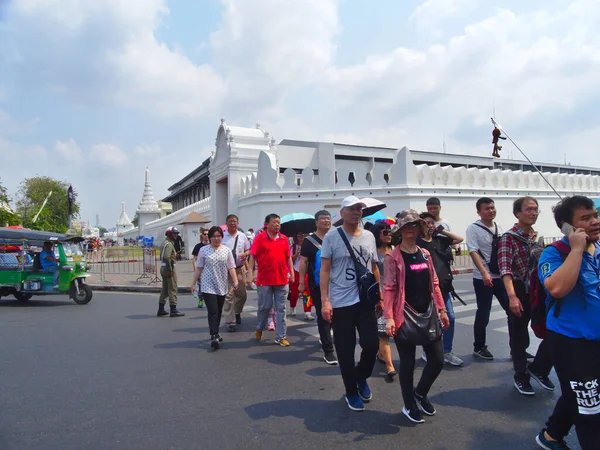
[(124, 219), (195, 217), (148, 204)]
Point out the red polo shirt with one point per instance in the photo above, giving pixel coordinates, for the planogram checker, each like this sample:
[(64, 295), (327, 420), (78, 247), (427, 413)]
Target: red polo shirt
[(272, 258)]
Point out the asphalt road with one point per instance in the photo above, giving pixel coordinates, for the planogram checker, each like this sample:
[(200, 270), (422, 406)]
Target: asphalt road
[(111, 375)]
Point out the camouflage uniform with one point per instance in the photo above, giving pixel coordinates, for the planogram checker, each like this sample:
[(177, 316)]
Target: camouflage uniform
[(168, 274)]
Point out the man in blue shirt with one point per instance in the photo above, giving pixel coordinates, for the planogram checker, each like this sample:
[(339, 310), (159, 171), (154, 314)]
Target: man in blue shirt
[(573, 324), (49, 261)]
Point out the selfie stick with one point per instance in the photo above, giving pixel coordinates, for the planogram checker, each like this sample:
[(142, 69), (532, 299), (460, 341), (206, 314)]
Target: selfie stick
[(497, 125)]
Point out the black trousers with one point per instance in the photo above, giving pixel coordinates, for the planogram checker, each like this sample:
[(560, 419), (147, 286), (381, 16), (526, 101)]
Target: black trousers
[(484, 295), (214, 306), (323, 326), (346, 322), (435, 362), (519, 332), (577, 365)]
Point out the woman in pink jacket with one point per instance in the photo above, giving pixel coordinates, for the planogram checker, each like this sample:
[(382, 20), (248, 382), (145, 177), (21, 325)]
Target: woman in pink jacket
[(409, 278)]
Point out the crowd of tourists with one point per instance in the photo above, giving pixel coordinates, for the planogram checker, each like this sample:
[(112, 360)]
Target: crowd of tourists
[(393, 282)]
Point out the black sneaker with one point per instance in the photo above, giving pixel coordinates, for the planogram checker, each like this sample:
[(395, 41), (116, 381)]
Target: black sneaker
[(413, 414), (330, 358), (524, 387), (231, 328), (543, 380), (219, 337), (424, 404), (483, 353), (238, 319), (214, 341), (162, 312)]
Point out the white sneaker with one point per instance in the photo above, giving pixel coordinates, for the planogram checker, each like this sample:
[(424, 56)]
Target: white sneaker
[(452, 359), (292, 312), (308, 316)]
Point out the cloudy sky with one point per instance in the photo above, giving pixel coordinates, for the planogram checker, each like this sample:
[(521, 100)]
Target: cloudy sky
[(93, 91)]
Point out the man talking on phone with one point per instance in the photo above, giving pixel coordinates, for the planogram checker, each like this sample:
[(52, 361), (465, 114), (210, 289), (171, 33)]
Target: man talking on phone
[(573, 323)]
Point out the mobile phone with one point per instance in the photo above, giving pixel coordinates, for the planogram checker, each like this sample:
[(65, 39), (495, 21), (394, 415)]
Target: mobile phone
[(567, 229)]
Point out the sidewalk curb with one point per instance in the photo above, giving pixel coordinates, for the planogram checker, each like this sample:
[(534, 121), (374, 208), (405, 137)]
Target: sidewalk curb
[(127, 288)]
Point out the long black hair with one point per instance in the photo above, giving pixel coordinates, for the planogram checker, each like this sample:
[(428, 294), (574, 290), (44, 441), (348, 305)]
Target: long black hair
[(377, 229)]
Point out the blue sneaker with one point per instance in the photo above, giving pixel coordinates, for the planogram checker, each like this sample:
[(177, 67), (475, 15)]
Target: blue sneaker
[(354, 402), (544, 443), (364, 391)]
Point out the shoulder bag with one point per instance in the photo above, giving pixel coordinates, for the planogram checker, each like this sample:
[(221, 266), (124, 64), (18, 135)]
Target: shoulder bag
[(368, 287)]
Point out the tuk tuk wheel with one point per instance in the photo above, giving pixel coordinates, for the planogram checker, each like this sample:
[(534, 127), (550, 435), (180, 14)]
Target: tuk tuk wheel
[(22, 297), (84, 296)]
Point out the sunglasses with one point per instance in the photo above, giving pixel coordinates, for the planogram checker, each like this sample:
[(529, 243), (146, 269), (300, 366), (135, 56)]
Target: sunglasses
[(386, 232)]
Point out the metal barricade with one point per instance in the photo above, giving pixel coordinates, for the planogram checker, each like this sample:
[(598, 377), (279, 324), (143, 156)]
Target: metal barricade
[(139, 261), (462, 259)]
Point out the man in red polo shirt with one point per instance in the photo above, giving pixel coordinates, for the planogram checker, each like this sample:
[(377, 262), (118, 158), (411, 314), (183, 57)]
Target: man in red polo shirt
[(271, 251)]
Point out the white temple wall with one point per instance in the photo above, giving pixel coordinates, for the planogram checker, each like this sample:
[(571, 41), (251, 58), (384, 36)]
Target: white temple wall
[(457, 188)]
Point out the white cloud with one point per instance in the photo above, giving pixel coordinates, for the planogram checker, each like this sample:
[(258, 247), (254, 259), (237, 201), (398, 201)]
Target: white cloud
[(69, 150), (148, 150), (431, 13), (534, 63), (108, 155), (106, 51), (268, 48)]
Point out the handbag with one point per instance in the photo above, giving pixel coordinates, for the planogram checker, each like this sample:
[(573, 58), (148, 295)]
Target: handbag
[(420, 328), (368, 287), (381, 324)]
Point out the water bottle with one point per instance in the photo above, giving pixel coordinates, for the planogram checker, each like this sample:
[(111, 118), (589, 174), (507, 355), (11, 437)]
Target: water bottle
[(195, 290)]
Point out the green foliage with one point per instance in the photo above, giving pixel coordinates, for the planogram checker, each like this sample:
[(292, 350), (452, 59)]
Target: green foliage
[(7, 217), (102, 230), (55, 215)]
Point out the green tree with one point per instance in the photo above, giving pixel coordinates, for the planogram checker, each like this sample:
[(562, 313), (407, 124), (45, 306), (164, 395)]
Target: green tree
[(102, 230), (55, 215), (7, 215)]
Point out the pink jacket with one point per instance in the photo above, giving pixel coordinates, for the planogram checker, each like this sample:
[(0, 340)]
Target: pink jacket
[(393, 286)]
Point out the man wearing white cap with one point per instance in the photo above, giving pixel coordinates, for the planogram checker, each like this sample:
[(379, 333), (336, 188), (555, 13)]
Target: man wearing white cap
[(341, 303)]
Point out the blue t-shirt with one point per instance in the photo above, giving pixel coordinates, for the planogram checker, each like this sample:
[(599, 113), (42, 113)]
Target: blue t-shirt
[(44, 262), (579, 314)]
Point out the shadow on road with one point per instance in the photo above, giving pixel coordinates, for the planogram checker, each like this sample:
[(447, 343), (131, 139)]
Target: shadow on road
[(324, 371), (34, 303), (141, 316), (299, 353), (323, 416), (498, 399)]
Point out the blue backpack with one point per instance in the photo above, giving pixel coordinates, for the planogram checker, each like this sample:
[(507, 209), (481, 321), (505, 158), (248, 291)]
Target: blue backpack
[(317, 264)]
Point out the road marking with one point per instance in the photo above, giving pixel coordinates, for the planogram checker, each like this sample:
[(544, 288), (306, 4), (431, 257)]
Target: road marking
[(470, 320)]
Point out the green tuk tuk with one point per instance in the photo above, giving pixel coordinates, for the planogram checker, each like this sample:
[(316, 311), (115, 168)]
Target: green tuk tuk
[(22, 276)]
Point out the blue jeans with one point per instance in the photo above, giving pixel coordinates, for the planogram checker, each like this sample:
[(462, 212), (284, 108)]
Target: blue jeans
[(269, 296), (52, 270), (448, 335)]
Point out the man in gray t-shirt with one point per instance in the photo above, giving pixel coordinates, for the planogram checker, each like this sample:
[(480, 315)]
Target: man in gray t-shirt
[(480, 239), (343, 287), (341, 304)]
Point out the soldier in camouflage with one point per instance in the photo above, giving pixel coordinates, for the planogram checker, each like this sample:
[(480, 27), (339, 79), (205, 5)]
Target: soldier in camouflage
[(168, 274)]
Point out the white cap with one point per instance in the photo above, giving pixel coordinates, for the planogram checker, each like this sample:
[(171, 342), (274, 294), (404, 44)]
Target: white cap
[(351, 201)]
